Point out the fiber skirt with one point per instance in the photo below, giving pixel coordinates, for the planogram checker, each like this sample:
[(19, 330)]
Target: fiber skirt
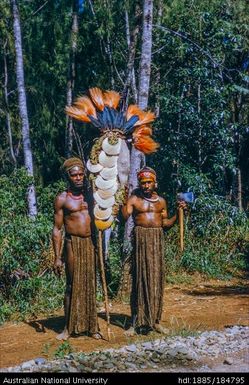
[(148, 276), (83, 309)]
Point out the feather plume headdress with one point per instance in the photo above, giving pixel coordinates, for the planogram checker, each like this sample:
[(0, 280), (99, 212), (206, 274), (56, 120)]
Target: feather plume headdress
[(110, 154)]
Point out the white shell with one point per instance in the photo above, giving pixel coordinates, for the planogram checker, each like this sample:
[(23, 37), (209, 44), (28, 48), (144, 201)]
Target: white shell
[(111, 149), (94, 168), (123, 164), (109, 172), (102, 214), (104, 203), (106, 160), (104, 184), (105, 194)]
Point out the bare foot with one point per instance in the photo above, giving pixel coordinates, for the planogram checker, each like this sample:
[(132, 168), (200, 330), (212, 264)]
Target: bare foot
[(63, 336), (160, 329), (96, 336), (130, 332)]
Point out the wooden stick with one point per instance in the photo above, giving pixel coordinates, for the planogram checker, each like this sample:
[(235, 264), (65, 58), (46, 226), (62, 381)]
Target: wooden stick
[(181, 228), (102, 272)]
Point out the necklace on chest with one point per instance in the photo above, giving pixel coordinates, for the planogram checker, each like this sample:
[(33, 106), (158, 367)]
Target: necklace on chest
[(75, 197), (151, 201)]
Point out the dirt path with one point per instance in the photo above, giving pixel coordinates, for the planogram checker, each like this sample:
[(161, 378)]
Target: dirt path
[(201, 306)]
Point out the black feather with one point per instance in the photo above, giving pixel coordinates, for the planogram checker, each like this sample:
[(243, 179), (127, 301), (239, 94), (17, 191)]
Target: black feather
[(129, 125)]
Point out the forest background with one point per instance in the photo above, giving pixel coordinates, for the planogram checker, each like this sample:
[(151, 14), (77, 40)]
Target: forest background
[(199, 89)]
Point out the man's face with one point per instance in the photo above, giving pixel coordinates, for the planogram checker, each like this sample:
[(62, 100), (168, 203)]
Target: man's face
[(147, 186), (76, 176)]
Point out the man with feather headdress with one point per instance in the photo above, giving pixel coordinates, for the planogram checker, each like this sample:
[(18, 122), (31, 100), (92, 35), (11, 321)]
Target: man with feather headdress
[(150, 215)]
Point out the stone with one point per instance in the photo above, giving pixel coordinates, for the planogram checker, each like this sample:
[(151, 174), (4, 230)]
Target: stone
[(131, 348), (27, 365), (228, 361)]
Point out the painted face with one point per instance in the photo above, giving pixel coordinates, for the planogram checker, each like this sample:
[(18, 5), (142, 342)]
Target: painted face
[(76, 177), (147, 186)]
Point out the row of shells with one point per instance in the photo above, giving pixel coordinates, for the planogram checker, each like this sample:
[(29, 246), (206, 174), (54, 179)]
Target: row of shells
[(105, 181)]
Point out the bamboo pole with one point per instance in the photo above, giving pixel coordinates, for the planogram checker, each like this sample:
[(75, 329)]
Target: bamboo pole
[(104, 286), (181, 224)]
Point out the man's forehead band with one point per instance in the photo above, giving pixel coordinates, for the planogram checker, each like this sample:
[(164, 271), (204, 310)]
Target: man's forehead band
[(146, 175)]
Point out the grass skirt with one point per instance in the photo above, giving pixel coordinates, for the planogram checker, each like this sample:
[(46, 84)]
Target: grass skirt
[(148, 276), (83, 310)]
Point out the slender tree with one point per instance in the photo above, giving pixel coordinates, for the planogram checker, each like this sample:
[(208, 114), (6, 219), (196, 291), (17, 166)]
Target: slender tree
[(71, 77), (28, 156), (137, 158), (6, 98)]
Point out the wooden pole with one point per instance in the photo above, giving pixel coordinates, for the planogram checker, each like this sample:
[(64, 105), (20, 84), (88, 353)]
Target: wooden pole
[(102, 272), (181, 224)]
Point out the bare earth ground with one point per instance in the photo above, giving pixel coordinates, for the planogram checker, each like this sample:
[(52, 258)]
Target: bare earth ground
[(200, 306)]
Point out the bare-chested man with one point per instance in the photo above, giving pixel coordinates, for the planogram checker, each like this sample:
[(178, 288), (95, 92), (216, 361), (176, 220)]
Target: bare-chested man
[(71, 211), (148, 269)]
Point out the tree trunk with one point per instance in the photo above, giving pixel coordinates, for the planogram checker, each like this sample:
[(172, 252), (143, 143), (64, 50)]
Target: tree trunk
[(131, 38), (138, 158), (8, 122), (158, 74), (28, 156), (71, 79)]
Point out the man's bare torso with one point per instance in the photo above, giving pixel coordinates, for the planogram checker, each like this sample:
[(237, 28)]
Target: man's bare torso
[(77, 220), (147, 213)]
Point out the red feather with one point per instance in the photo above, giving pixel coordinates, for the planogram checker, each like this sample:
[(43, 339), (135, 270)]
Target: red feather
[(142, 130), (145, 144)]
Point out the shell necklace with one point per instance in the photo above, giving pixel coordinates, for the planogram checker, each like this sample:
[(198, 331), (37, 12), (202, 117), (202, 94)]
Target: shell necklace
[(151, 201)]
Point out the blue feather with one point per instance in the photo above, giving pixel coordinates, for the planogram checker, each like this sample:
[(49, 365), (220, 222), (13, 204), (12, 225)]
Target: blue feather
[(129, 125)]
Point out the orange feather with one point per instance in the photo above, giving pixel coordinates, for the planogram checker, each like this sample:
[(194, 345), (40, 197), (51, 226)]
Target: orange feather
[(145, 144), (145, 117), (77, 114), (132, 110), (111, 99), (86, 105), (142, 130), (97, 97)]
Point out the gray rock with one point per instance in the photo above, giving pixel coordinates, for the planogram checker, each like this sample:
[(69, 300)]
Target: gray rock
[(228, 361), (131, 348), (40, 361), (147, 346), (27, 364)]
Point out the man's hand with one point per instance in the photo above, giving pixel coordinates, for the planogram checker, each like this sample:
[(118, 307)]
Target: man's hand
[(182, 205), (58, 265)]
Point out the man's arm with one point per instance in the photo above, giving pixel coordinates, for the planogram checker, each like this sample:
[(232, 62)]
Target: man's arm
[(167, 222), (57, 233), (128, 207)]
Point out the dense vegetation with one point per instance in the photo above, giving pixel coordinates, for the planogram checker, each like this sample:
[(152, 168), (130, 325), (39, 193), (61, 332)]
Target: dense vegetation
[(200, 90)]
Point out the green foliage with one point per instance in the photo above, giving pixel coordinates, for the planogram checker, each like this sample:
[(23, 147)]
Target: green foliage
[(115, 265), (63, 350), (27, 284), (216, 240)]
